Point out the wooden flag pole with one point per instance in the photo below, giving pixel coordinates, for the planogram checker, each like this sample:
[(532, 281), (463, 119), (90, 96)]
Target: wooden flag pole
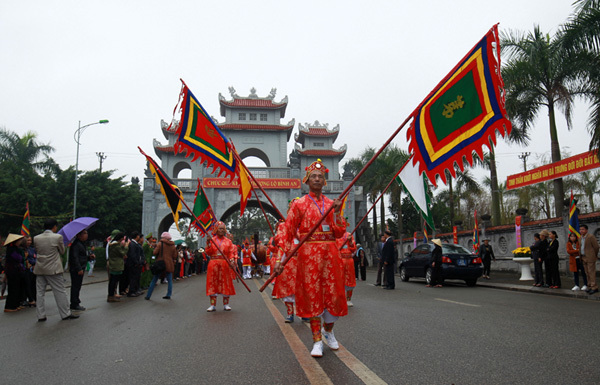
[(342, 195)]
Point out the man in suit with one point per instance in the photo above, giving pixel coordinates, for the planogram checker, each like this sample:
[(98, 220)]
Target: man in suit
[(78, 257), (589, 255), (135, 260), (379, 261), (388, 257), (49, 271)]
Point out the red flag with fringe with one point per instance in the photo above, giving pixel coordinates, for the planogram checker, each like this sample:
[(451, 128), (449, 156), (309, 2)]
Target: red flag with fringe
[(462, 113)]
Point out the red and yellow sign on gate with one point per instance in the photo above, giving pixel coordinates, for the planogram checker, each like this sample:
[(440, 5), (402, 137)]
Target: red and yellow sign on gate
[(281, 184), (573, 165)]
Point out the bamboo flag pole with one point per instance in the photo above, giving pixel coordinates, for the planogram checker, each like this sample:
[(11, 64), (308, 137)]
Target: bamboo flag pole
[(342, 195)]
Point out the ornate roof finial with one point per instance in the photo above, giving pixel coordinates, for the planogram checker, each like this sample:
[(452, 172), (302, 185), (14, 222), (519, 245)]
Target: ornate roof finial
[(232, 92), (272, 93), (253, 93)]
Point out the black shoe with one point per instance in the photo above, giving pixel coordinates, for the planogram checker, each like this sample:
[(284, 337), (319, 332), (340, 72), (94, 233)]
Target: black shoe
[(78, 308), (590, 292), (147, 298), (42, 319), (72, 316), (377, 284), (166, 297)]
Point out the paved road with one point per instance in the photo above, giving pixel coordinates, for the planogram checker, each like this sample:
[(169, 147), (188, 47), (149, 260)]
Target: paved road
[(413, 335)]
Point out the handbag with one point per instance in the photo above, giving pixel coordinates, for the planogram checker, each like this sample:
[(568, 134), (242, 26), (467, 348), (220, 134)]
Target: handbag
[(159, 266)]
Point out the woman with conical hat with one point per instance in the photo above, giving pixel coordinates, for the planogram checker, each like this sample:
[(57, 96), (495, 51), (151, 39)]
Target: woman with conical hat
[(14, 269), (320, 290)]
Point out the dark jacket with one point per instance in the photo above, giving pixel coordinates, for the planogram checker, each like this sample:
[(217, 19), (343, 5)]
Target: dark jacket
[(135, 255), (539, 250), (436, 256), (553, 250), (486, 252), (14, 260), (387, 252), (78, 256)]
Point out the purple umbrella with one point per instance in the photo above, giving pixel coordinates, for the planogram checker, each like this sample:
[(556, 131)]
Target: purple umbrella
[(71, 229)]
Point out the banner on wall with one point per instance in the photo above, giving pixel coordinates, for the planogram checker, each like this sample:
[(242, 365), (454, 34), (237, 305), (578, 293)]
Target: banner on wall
[(455, 235), (569, 166), (518, 230)]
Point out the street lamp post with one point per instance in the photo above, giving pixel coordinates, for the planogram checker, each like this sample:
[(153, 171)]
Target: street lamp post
[(77, 136)]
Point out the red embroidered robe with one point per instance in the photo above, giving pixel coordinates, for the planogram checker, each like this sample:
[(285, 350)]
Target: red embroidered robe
[(347, 250), (219, 276), (319, 277)]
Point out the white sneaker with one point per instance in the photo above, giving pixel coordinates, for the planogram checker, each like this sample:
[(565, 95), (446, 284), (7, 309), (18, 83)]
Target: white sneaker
[(575, 288), (584, 288), (227, 308), (211, 308), (317, 350), (330, 339), (350, 304)]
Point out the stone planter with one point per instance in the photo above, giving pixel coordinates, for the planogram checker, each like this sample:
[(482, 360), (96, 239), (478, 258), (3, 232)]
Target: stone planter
[(525, 268)]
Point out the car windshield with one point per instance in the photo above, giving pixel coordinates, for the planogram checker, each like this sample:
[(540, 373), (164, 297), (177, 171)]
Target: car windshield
[(449, 248)]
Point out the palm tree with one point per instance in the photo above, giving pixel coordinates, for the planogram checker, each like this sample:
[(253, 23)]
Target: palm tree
[(588, 182), (581, 33), (25, 151), (540, 74)]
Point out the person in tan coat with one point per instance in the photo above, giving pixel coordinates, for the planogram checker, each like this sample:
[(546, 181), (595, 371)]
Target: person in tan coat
[(589, 255), (166, 252), (49, 271)]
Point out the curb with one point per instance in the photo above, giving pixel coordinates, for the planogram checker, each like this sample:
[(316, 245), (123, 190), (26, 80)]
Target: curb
[(537, 290)]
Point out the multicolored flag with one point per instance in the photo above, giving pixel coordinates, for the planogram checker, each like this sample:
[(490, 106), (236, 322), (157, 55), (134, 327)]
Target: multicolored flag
[(476, 235), (171, 192), (462, 113), (203, 211), (26, 222), (198, 135), (574, 217), (425, 236)]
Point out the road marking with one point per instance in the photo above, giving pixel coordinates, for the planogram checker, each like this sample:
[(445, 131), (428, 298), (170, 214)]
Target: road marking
[(457, 303), (313, 371)]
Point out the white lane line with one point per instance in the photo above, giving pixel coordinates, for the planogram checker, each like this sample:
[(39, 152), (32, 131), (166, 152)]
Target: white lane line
[(361, 370), (457, 303), (313, 371)]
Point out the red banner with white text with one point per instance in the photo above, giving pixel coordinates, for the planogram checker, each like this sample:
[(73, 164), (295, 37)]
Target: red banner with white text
[(573, 165)]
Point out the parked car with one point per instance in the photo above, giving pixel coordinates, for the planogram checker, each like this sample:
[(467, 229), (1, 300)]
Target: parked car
[(457, 263)]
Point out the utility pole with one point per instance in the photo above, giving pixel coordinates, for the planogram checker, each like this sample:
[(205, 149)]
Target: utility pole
[(101, 158), (524, 157)]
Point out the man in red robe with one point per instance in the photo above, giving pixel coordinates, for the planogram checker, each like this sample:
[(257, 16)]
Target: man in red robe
[(219, 273), (319, 279), (347, 249), (247, 257)]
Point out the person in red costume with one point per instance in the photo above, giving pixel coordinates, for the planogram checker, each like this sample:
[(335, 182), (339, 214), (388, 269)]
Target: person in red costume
[(347, 248), (247, 257), (320, 276), (219, 275)]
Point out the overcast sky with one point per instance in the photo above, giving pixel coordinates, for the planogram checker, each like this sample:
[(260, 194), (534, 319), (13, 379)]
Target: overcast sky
[(363, 65)]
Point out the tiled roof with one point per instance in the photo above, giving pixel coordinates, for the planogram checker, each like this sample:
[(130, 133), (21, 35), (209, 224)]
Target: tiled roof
[(258, 127), (253, 103)]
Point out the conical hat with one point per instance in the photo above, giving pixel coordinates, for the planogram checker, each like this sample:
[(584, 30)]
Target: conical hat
[(11, 238), (437, 241)]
